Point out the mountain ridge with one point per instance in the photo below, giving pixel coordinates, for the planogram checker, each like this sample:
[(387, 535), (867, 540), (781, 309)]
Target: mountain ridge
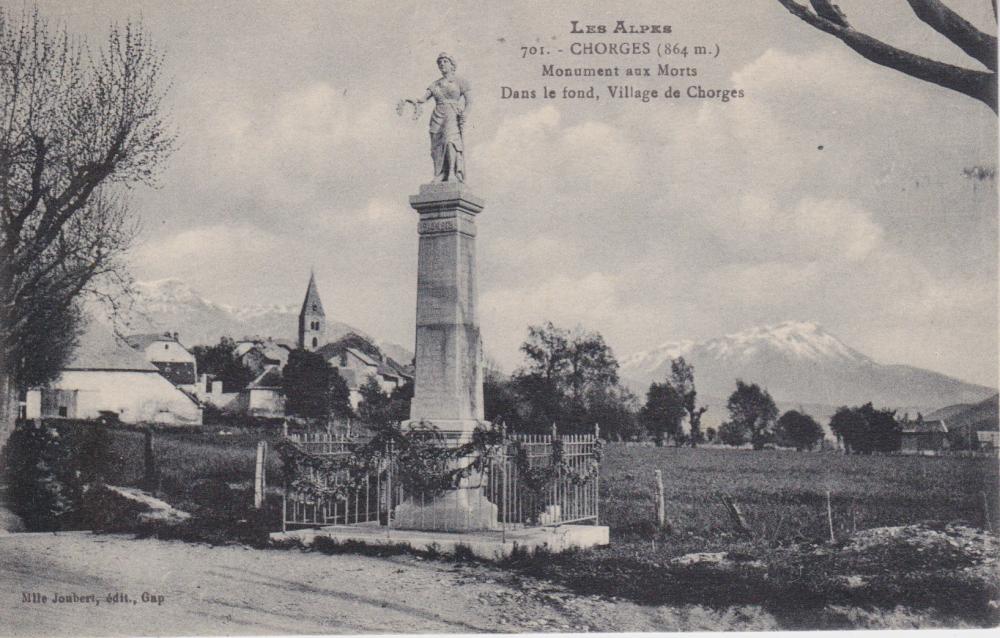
[(799, 361)]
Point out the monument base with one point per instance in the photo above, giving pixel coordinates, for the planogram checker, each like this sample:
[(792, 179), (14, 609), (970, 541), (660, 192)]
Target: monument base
[(489, 545), (465, 509)]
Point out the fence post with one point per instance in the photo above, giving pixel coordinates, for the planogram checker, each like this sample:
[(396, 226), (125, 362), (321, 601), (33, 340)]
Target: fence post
[(736, 515), (829, 516), (661, 508), (284, 429), (149, 477), (597, 478), (258, 477), (987, 524)]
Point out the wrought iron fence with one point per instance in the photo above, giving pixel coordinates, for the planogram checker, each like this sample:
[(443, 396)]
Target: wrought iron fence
[(348, 502), (528, 480)]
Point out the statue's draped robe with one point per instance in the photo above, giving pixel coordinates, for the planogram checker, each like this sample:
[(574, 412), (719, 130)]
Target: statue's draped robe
[(447, 147)]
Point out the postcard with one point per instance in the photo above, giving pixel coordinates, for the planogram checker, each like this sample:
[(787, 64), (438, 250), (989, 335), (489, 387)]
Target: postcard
[(460, 317)]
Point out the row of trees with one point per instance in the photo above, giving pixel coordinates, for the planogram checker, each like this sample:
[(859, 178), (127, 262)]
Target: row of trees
[(570, 378)]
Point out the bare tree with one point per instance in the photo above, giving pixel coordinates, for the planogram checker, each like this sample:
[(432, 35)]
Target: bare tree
[(78, 128), (978, 84)]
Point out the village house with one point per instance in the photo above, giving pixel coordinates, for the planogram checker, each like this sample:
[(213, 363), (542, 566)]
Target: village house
[(168, 354), (989, 440), (356, 367), (923, 437), (259, 354), (105, 377), (209, 391), (263, 397)]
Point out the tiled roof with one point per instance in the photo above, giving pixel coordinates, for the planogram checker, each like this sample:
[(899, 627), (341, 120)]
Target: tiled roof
[(99, 349), (269, 378), (244, 347), (329, 350), (924, 427), (397, 369), (364, 357), (274, 352), (142, 341), (177, 372)]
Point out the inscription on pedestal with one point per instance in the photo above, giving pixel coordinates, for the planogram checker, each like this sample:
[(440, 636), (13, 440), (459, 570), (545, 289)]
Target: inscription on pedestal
[(428, 226)]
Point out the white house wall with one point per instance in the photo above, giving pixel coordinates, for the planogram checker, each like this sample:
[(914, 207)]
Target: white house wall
[(266, 402), (135, 396)]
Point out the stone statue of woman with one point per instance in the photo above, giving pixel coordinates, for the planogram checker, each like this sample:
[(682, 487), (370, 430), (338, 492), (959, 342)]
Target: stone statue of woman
[(453, 98)]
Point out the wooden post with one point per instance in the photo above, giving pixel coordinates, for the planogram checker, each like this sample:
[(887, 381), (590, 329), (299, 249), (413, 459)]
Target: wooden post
[(149, 475), (661, 508), (987, 524), (736, 515), (829, 516), (258, 477)]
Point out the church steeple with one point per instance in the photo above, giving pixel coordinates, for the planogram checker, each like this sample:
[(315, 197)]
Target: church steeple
[(312, 319)]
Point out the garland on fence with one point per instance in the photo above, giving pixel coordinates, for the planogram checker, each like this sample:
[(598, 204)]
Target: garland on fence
[(424, 463), (537, 478)]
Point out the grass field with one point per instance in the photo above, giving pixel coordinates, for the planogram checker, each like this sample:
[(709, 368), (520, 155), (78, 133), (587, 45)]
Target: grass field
[(782, 495)]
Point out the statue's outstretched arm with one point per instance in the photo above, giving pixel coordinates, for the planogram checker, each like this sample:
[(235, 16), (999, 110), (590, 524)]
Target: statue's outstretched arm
[(428, 95)]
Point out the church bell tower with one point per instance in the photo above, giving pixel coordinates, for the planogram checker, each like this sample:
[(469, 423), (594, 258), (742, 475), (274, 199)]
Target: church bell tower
[(312, 319)]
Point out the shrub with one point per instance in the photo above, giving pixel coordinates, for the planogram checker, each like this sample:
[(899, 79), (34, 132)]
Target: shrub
[(45, 483)]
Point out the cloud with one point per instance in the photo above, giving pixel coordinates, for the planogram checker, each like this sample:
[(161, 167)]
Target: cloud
[(536, 152), (590, 300), (758, 226)]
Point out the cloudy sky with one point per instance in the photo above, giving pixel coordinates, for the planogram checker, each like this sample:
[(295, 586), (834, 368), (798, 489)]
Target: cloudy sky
[(647, 222)]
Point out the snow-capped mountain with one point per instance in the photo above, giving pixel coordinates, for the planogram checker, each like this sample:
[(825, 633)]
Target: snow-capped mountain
[(173, 305), (799, 362)]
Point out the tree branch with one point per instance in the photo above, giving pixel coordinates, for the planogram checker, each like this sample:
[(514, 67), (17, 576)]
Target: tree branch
[(37, 191), (980, 85), (979, 45)]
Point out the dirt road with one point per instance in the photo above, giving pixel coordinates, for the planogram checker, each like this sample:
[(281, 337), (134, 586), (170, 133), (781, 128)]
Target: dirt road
[(197, 589)]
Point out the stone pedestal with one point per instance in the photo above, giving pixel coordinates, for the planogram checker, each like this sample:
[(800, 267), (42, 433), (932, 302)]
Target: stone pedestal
[(448, 388)]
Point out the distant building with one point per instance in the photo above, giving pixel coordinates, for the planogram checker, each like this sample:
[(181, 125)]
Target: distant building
[(356, 366), (923, 437), (258, 355), (263, 397), (988, 440), (168, 354), (210, 392), (312, 318), (107, 376)]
